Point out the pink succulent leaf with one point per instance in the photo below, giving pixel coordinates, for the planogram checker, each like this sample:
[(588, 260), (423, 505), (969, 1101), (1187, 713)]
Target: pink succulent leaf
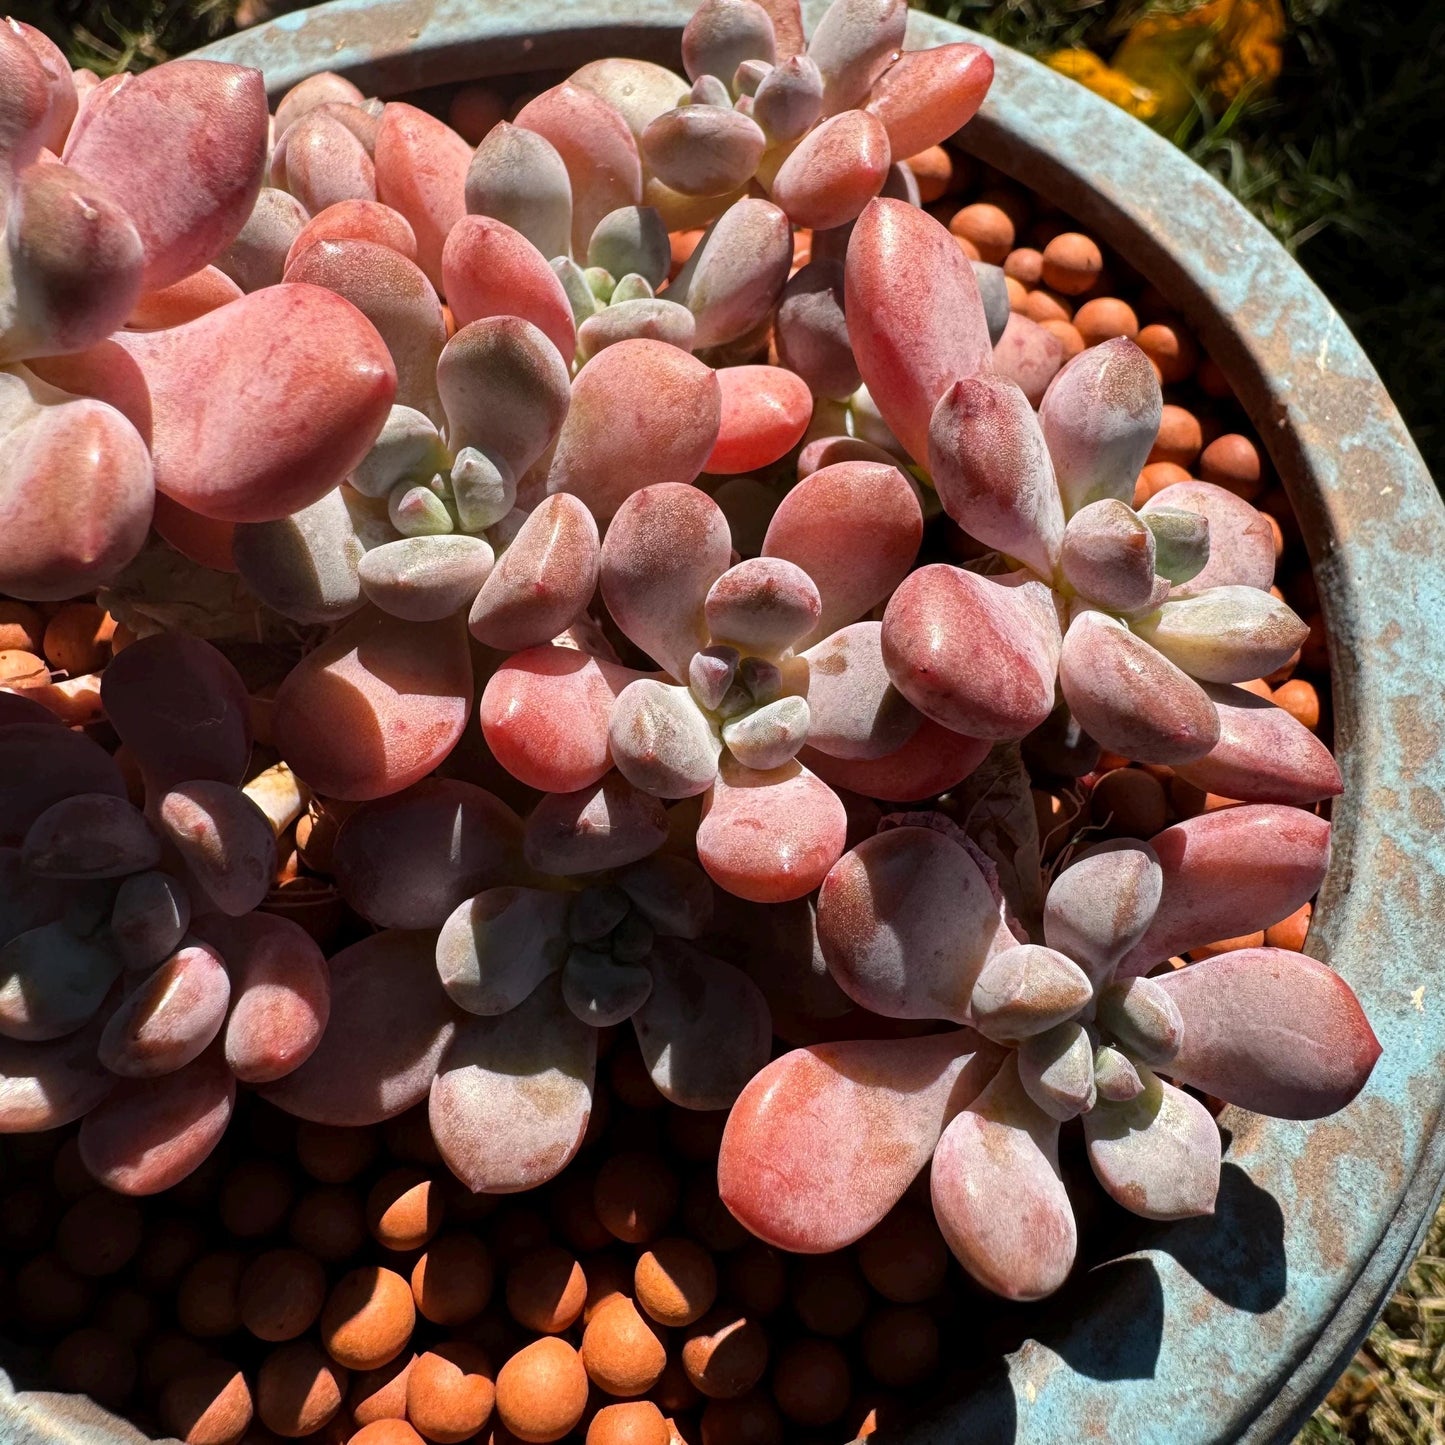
[(854, 527), (512, 1095), (834, 171), (1158, 1154), (421, 171), (905, 921), (545, 715), (1099, 907), (1241, 544), (1027, 355), (704, 1030), (824, 1141), (495, 949), (763, 606), (389, 1025), (926, 96), (661, 741), (673, 894), (1056, 1069), (976, 655), (1129, 697), (992, 470), (597, 828), (997, 1193), (1227, 634), (664, 550), (517, 178), (853, 44), (47, 1085), (1026, 990), (721, 34), (1230, 873), (1108, 557), (931, 762), (770, 836), (1264, 755), (855, 712), (1271, 1030), (912, 342)]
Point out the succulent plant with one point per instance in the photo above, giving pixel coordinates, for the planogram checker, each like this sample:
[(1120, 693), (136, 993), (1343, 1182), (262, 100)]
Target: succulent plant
[(1081, 1025)]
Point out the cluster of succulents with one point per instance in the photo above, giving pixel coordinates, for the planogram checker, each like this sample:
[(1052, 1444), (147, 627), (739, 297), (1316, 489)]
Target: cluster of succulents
[(642, 427)]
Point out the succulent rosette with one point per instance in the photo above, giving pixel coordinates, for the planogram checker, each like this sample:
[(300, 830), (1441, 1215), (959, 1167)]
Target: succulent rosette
[(1083, 1025)]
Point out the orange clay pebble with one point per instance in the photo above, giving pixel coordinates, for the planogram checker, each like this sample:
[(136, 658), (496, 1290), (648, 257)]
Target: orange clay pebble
[(452, 1282), (682, 244), (255, 1198), (169, 1356), (542, 1391), (1227, 945), (674, 1392), (968, 248), (676, 1281), (408, 1137), (1130, 803), (1017, 292), (127, 1314), (811, 1382), (207, 1303), (328, 1222), (609, 1277), (1300, 700), (1180, 437), (22, 628), (635, 1195), (449, 1393), (900, 1346), (1041, 305), (933, 170), (1025, 265), (22, 668), (386, 1432), (903, 1256), (757, 1278), (281, 1294), (298, 1389), (210, 1405), (368, 1318), (49, 1295), (1232, 461), (706, 1218), (1072, 263), (1212, 380), (1171, 349), (100, 1233), (380, 1394), (1290, 932), (1257, 685), (621, 1351), (1104, 318), (329, 1153), (572, 1212), (94, 1362), (1013, 201), (403, 1210), (638, 1422), (748, 1420), (1067, 336), (828, 1293), (546, 1290), (1159, 475), (77, 638), (987, 228), (725, 1353)]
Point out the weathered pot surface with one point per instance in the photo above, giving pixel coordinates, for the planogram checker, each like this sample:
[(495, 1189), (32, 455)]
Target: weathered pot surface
[(1229, 1328)]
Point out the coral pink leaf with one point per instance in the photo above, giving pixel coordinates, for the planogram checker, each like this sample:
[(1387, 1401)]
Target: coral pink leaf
[(765, 411), (926, 96), (770, 836), (825, 1140), (854, 711), (1099, 906), (170, 1016), (1129, 697), (1231, 873), (187, 141), (389, 1025), (1273, 1031), (597, 148), (853, 44), (914, 316), (59, 88), (353, 221), (998, 1196), (148, 1134), (661, 741), (905, 920), (992, 470), (1264, 755), (545, 714), (205, 290), (543, 581), (511, 1100), (704, 1030), (974, 654), (931, 762), (643, 414), (605, 826), (1241, 543), (308, 383), (377, 706), (834, 171), (421, 171), (665, 548), (854, 527), (1028, 356), (491, 270), (1157, 1154)]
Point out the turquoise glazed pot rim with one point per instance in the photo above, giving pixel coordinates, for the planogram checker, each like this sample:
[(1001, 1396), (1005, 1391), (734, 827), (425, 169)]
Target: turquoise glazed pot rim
[(1228, 1328)]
